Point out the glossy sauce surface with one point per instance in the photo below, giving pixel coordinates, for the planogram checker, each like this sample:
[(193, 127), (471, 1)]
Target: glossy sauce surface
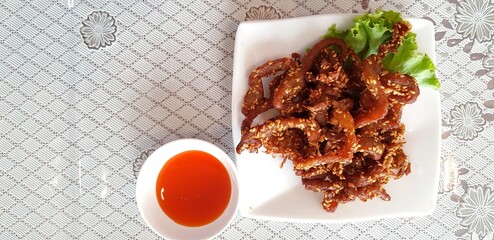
[(193, 188)]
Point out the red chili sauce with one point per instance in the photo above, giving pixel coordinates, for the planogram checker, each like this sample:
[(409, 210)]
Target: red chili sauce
[(193, 188)]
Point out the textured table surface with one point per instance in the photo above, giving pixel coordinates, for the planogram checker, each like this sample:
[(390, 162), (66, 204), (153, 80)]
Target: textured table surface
[(80, 113)]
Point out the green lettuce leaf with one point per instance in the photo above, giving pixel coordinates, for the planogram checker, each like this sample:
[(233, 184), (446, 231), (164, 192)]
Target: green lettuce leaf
[(417, 65), (368, 32), (371, 30)]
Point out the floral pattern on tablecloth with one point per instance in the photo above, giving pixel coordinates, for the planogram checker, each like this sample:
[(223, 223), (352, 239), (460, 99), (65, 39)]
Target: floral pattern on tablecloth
[(98, 30), (139, 161), (476, 210), (466, 121), (83, 106), (261, 13), (475, 19)]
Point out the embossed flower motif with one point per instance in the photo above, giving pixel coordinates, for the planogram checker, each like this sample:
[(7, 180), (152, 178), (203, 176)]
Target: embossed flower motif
[(466, 121), (449, 175), (475, 19), (476, 210), (488, 62), (139, 161), (98, 30), (261, 13)]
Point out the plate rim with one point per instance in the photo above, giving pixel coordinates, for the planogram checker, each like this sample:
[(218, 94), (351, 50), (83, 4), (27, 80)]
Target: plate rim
[(437, 117)]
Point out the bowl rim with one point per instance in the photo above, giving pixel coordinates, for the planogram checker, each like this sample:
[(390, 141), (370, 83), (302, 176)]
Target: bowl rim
[(147, 202)]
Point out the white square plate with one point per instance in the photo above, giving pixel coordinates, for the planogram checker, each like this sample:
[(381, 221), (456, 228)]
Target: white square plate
[(268, 192)]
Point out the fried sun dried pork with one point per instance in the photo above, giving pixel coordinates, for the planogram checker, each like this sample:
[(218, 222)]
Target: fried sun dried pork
[(340, 118)]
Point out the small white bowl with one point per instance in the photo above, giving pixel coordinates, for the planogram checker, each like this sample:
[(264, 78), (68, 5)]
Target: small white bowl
[(148, 204)]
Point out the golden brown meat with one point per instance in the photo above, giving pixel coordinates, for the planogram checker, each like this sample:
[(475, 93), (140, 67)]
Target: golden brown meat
[(340, 119), (255, 93)]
